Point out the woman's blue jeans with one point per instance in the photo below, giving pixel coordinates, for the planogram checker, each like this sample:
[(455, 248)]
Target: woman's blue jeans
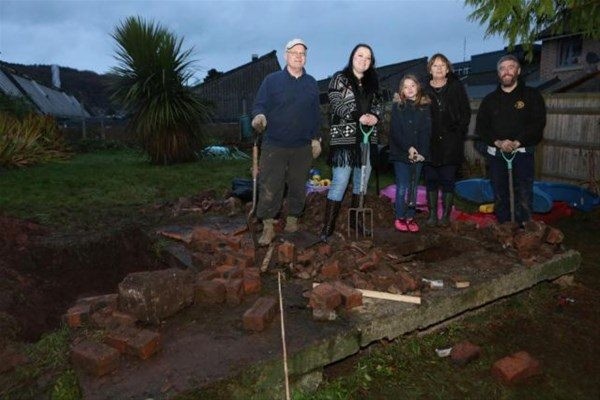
[(341, 177), (407, 180)]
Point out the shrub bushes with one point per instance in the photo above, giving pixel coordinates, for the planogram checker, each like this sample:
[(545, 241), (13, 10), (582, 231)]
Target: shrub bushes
[(30, 140)]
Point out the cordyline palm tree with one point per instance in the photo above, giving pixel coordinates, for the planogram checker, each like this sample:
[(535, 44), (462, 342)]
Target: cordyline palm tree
[(150, 83)]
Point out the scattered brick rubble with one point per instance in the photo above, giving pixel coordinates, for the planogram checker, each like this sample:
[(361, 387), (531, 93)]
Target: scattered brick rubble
[(228, 273)]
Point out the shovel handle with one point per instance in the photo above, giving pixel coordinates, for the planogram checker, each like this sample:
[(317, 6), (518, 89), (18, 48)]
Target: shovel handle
[(365, 135), (509, 158)]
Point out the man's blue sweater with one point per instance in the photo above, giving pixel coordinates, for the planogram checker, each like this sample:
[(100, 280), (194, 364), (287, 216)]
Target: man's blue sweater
[(291, 106)]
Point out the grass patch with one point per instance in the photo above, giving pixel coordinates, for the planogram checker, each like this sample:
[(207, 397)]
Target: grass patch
[(47, 375), (96, 189)]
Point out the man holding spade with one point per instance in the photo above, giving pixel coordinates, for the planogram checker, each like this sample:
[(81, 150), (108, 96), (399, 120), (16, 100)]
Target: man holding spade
[(511, 123)]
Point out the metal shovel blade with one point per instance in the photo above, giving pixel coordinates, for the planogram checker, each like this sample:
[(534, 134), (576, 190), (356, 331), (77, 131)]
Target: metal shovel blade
[(362, 216)]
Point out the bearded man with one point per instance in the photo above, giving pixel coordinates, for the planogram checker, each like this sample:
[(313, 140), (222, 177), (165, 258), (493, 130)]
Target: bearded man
[(511, 123)]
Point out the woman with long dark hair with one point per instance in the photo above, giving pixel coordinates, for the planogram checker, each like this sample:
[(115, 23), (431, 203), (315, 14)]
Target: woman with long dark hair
[(355, 110)]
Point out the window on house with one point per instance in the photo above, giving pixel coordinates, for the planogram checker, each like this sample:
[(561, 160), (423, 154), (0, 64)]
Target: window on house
[(569, 52)]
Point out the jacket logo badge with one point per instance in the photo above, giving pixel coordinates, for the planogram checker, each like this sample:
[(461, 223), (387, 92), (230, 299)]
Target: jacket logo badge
[(519, 104)]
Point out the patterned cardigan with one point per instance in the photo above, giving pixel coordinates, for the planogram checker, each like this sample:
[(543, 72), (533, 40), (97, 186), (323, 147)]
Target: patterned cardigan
[(344, 132)]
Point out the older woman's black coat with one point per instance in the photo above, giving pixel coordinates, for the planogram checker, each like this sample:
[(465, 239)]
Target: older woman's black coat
[(450, 117)]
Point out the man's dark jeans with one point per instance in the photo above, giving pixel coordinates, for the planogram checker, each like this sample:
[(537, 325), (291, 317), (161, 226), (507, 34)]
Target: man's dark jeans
[(523, 174)]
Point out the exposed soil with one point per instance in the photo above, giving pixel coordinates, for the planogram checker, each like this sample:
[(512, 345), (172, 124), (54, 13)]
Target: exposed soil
[(43, 272)]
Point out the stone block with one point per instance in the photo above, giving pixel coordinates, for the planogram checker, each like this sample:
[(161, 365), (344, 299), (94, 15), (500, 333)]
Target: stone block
[(77, 315), (361, 282), (554, 236), (538, 228), (117, 338), (366, 265), (286, 253), (204, 234), (103, 319), (324, 314), (101, 301), (350, 297), (251, 283), (141, 343), (95, 358), (376, 256), (202, 260), (233, 242), (229, 271), (527, 241), (306, 256), (155, 295), (464, 352), (207, 275), (260, 314), (325, 296), (251, 272), (234, 291), (123, 318), (406, 282), (144, 344), (331, 269), (249, 251), (210, 292), (515, 368), (325, 250), (238, 259)]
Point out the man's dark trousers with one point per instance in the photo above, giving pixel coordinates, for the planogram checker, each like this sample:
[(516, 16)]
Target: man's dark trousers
[(523, 175)]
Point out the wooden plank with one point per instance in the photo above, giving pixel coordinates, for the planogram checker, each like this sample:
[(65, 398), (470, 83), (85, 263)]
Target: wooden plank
[(390, 296), (385, 295)]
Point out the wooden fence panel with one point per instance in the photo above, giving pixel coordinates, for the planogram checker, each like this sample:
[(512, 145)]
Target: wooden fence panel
[(570, 150)]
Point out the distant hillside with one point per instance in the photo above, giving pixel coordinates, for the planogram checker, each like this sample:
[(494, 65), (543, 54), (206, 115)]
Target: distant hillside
[(87, 86)]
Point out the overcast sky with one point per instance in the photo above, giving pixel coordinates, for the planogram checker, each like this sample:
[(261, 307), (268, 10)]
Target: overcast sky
[(225, 33)]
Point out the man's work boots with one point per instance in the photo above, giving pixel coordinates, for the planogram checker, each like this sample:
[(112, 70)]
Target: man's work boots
[(268, 233), (291, 224)]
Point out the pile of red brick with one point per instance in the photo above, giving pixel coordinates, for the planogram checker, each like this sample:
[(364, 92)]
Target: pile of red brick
[(121, 336), (536, 243)]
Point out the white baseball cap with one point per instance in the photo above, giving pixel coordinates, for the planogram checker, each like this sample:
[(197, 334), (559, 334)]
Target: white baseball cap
[(294, 42)]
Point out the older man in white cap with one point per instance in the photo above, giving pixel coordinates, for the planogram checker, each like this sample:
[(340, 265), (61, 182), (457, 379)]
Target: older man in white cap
[(286, 109)]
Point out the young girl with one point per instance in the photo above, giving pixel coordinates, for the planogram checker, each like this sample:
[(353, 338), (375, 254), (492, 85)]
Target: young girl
[(410, 132)]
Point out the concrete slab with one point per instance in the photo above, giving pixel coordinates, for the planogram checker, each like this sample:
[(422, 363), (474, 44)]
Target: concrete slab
[(204, 344)]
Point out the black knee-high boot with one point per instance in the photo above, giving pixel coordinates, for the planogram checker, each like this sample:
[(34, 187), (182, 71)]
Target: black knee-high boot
[(332, 209)]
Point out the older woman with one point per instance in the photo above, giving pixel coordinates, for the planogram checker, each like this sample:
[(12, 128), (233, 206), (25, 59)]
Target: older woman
[(355, 101), (450, 114)]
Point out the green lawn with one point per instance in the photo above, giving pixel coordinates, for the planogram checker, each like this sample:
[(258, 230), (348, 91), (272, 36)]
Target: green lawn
[(94, 190), (117, 184)]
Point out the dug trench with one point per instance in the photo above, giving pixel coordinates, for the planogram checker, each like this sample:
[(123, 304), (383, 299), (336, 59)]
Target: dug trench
[(42, 273)]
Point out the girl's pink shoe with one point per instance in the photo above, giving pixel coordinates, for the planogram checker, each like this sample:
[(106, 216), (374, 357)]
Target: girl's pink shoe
[(400, 225), (412, 225)]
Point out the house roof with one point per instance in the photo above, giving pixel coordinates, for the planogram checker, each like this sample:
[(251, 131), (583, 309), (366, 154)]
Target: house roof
[(7, 86), (48, 101), (557, 85), (390, 75), (249, 65)]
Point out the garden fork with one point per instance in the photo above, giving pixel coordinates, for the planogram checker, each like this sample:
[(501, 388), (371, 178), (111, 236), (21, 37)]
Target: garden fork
[(363, 217)]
